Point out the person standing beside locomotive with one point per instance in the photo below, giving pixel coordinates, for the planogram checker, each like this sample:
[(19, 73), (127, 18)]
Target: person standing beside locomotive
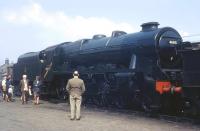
[(75, 87), (9, 88), (4, 88), (24, 84), (36, 90)]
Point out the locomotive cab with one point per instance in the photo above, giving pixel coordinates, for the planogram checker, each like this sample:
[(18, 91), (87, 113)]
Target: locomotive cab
[(42, 56)]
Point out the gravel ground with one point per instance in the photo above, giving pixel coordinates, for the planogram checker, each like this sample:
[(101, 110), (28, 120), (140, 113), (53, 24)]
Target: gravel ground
[(55, 117)]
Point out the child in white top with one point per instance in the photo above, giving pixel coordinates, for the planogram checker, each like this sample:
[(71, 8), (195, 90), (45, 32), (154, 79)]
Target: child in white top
[(10, 93)]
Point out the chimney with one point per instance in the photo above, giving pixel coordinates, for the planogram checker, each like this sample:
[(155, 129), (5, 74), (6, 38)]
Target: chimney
[(150, 26)]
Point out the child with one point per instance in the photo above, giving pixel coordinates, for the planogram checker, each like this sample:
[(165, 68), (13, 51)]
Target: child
[(10, 93)]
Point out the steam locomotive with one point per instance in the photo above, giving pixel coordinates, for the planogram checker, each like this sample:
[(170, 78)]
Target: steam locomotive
[(144, 70)]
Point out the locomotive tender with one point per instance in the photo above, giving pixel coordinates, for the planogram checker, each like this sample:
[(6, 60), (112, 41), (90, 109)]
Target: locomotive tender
[(142, 69)]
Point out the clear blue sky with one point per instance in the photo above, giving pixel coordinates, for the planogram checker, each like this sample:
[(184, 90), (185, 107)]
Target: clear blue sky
[(32, 25)]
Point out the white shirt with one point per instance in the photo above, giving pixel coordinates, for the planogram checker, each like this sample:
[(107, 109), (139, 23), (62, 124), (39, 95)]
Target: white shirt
[(10, 90)]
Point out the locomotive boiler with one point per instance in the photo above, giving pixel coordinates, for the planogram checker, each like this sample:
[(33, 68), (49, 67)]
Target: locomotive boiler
[(142, 69)]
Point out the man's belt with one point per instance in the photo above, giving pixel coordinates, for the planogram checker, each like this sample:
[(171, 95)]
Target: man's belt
[(75, 87)]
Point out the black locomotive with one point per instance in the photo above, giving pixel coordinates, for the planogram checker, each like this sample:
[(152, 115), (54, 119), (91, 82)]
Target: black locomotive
[(143, 69)]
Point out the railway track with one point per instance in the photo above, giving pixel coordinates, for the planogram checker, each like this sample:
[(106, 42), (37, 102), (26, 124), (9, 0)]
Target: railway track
[(132, 113), (156, 116)]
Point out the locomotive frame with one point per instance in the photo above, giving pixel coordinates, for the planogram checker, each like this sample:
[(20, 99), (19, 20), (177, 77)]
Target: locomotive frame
[(142, 69)]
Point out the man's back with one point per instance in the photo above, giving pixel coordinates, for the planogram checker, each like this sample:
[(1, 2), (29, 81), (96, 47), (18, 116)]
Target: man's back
[(75, 86)]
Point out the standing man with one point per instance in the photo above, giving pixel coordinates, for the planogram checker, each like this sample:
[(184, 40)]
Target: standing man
[(36, 89), (4, 88), (75, 87), (24, 84)]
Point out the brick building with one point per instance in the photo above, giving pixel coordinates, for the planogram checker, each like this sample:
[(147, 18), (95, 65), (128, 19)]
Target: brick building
[(6, 69)]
